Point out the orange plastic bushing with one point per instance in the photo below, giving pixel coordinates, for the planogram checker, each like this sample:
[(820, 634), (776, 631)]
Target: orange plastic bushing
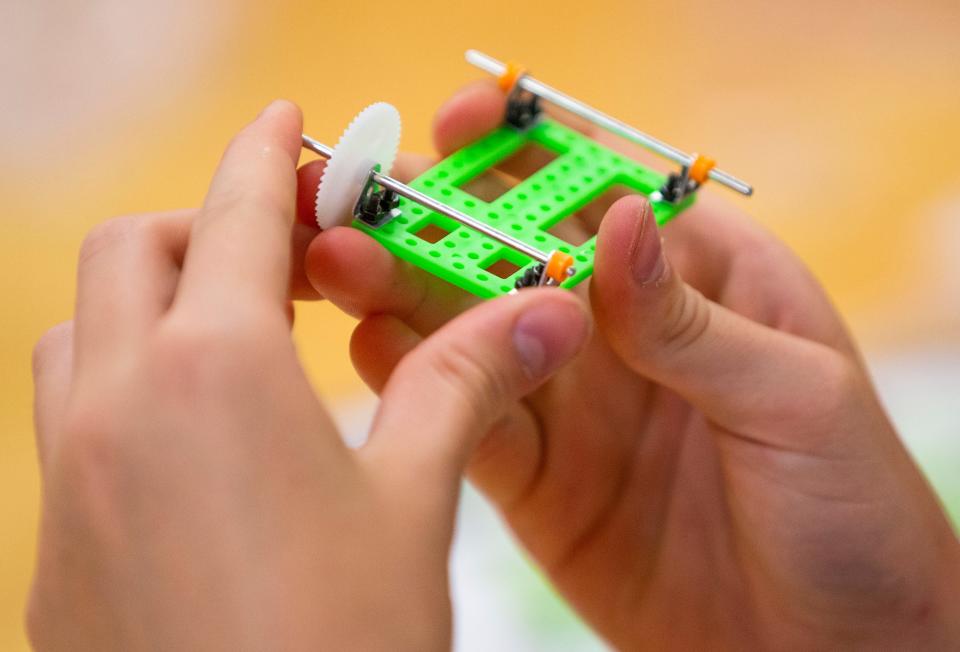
[(510, 76), (700, 168), (558, 265)]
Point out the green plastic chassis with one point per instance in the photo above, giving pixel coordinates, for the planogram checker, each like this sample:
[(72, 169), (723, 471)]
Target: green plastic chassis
[(582, 171)]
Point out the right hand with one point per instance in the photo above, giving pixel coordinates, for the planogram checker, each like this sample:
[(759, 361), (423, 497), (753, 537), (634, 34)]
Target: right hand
[(196, 494), (715, 469)]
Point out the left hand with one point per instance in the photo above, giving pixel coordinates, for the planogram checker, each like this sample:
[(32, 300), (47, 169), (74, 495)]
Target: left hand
[(197, 494), (715, 470)]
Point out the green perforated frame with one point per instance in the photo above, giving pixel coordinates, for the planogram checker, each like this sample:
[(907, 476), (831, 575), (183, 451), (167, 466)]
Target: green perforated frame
[(582, 171)]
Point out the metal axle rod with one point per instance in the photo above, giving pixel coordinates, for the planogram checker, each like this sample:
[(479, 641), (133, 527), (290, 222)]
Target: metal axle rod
[(622, 129), (426, 201)]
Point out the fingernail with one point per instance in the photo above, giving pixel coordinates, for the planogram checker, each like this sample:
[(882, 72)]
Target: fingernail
[(647, 263), (547, 335)]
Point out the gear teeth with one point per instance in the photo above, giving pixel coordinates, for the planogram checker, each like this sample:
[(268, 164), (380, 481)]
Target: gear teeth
[(373, 134), (316, 198)]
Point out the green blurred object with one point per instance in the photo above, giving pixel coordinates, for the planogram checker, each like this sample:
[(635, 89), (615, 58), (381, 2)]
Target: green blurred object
[(582, 171)]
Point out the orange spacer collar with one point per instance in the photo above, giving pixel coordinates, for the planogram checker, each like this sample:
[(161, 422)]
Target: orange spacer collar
[(510, 76)]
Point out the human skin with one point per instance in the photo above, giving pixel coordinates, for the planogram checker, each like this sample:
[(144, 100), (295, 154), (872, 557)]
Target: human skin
[(714, 470), (196, 495)]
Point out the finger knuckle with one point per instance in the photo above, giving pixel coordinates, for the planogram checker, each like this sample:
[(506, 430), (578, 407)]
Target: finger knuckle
[(191, 355), (686, 319), (188, 357), (472, 380), (226, 204), (496, 450), (51, 342), (127, 230), (102, 458), (237, 202), (839, 382), (833, 387), (35, 619), (91, 439), (106, 235)]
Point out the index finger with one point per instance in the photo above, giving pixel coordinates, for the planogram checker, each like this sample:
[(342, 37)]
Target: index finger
[(239, 248)]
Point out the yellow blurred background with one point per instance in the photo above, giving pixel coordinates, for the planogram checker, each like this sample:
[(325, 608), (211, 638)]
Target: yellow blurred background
[(844, 116)]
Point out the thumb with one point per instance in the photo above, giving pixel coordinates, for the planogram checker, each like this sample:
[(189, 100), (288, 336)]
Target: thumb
[(448, 391), (744, 376)]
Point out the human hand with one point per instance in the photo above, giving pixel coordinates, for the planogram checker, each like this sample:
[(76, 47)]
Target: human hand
[(714, 470), (197, 494)]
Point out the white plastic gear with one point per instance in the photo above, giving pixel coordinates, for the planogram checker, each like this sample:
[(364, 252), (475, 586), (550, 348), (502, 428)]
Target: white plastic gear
[(372, 138)]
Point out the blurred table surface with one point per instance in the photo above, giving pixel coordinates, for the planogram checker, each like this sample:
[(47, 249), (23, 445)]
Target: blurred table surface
[(842, 115)]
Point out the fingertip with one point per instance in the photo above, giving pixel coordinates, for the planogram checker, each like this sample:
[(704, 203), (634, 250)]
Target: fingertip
[(622, 218), (625, 222), (338, 252), (567, 304), (459, 381), (348, 267), (409, 166), (377, 345), (281, 106), (300, 287), (549, 332), (308, 179), (623, 226), (475, 110), (360, 276), (286, 117)]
